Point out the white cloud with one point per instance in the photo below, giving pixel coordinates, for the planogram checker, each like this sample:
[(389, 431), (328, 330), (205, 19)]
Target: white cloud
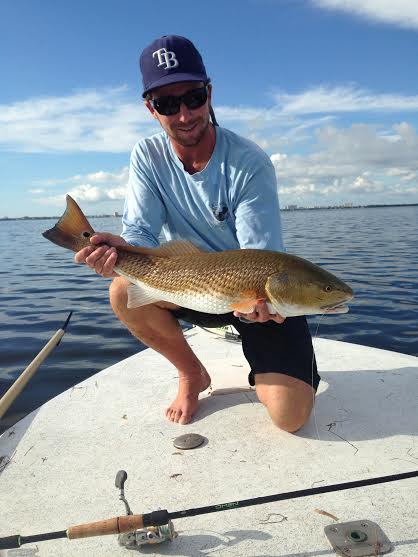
[(245, 114), (396, 172), (93, 187), (358, 163), (102, 177), (99, 177), (110, 120), (352, 163), (409, 177), (87, 193), (116, 193), (347, 98), (104, 120), (294, 118), (338, 159), (362, 144), (277, 158), (361, 184), (406, 192), (403, 13)]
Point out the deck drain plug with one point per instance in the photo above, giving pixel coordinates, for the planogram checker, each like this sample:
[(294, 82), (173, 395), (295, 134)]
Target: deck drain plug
[(357, 538), (188, 441)]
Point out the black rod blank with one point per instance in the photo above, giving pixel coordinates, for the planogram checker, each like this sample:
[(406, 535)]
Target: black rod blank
[(291, 495), (159, 518)]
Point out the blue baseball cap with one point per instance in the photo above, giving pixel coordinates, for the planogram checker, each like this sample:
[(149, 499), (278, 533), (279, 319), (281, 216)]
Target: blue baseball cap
[(170, 59)]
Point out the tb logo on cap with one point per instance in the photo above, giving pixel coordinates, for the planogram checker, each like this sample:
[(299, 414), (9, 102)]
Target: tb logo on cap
[(166, 57)]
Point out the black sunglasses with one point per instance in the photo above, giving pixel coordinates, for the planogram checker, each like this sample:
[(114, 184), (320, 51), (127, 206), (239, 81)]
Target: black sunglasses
[(170, 104)]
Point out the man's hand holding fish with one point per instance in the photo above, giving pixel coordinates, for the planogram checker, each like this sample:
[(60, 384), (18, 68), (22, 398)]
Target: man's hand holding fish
[(101, 259), (260, 314), (213, 195)]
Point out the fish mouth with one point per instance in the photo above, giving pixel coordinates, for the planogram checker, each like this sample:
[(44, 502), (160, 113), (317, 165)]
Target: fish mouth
[(341, 308)]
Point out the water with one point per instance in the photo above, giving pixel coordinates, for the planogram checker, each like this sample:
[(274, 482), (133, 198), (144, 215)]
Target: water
[(375, 250)]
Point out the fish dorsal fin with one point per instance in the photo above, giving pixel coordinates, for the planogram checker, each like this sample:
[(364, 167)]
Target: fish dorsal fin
[(174, 248)]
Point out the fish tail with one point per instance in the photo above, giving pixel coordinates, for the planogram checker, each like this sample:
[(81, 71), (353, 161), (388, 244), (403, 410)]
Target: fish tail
[(73, 230)]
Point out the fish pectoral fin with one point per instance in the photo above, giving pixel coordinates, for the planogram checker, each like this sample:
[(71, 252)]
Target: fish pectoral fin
[(247, 301), (244, 306), (138, 297)]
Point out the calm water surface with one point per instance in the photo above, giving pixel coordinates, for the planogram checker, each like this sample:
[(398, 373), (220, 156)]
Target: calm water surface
[(374, 250)]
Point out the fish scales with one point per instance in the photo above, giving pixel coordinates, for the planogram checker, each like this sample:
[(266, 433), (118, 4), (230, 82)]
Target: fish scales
[(222, 273), (181, 273)]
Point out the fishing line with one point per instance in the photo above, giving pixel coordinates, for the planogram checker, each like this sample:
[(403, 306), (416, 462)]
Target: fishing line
[(312, 377), (130, 523)]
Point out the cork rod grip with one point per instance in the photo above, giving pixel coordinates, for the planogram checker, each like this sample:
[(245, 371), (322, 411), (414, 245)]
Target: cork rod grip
[(117, 525)]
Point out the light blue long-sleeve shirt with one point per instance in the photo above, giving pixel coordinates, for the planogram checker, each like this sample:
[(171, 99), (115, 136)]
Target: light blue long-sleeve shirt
[(232, 203)]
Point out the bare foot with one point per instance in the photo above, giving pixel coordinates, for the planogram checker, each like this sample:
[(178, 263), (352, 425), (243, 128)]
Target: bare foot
[(185, 404)]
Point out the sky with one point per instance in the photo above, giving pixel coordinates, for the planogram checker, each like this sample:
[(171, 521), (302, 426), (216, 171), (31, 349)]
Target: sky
[(328, 88)]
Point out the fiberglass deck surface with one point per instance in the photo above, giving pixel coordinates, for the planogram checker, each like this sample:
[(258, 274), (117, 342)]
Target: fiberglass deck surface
[(59, 463)]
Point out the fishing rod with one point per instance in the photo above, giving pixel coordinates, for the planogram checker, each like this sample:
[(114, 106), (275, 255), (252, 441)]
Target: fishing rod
[(151, 525), (14, 391)]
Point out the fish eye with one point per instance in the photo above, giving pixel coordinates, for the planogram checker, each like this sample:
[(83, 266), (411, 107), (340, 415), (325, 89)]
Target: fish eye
[(86, 234), (328, 288)]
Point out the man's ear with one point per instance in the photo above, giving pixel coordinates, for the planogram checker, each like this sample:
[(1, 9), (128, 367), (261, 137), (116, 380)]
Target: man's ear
[(151, 109)]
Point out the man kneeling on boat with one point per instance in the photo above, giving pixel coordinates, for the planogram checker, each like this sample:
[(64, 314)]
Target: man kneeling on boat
[(198, 181)]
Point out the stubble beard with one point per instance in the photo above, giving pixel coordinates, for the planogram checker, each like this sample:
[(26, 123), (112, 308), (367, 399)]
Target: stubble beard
[(191, 140)]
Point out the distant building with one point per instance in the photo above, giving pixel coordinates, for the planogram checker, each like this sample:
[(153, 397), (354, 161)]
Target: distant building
[(291, 207), (116, 214)]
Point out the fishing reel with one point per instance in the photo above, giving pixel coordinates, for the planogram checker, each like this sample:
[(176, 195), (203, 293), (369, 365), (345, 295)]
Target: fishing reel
[(143, 536)]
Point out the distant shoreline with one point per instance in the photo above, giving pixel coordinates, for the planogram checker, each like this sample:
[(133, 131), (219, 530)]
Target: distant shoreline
[(328, 208)]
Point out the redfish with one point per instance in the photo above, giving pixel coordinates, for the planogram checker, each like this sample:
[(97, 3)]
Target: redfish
[(222, 282)]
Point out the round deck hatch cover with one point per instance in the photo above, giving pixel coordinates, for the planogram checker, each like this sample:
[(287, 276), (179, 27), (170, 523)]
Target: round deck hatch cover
[(188, 441)]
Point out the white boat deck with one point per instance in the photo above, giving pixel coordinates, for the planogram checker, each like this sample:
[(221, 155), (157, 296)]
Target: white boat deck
[(64, 457)]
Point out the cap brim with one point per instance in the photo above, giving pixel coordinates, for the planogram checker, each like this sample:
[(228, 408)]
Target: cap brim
[(174, 78)]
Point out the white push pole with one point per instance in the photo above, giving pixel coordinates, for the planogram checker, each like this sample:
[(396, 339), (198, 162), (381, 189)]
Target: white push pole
[(10, 396)]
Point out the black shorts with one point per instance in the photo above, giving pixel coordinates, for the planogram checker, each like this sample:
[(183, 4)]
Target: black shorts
[(268, 347)]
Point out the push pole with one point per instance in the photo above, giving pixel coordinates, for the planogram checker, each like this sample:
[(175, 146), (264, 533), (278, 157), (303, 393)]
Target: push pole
[(14, 391)]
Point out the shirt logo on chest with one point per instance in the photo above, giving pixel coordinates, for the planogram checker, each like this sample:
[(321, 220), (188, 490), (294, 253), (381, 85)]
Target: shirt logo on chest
[(219, 212)]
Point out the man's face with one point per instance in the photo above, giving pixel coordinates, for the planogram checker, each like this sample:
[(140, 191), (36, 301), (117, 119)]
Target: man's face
[(187, 127)]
